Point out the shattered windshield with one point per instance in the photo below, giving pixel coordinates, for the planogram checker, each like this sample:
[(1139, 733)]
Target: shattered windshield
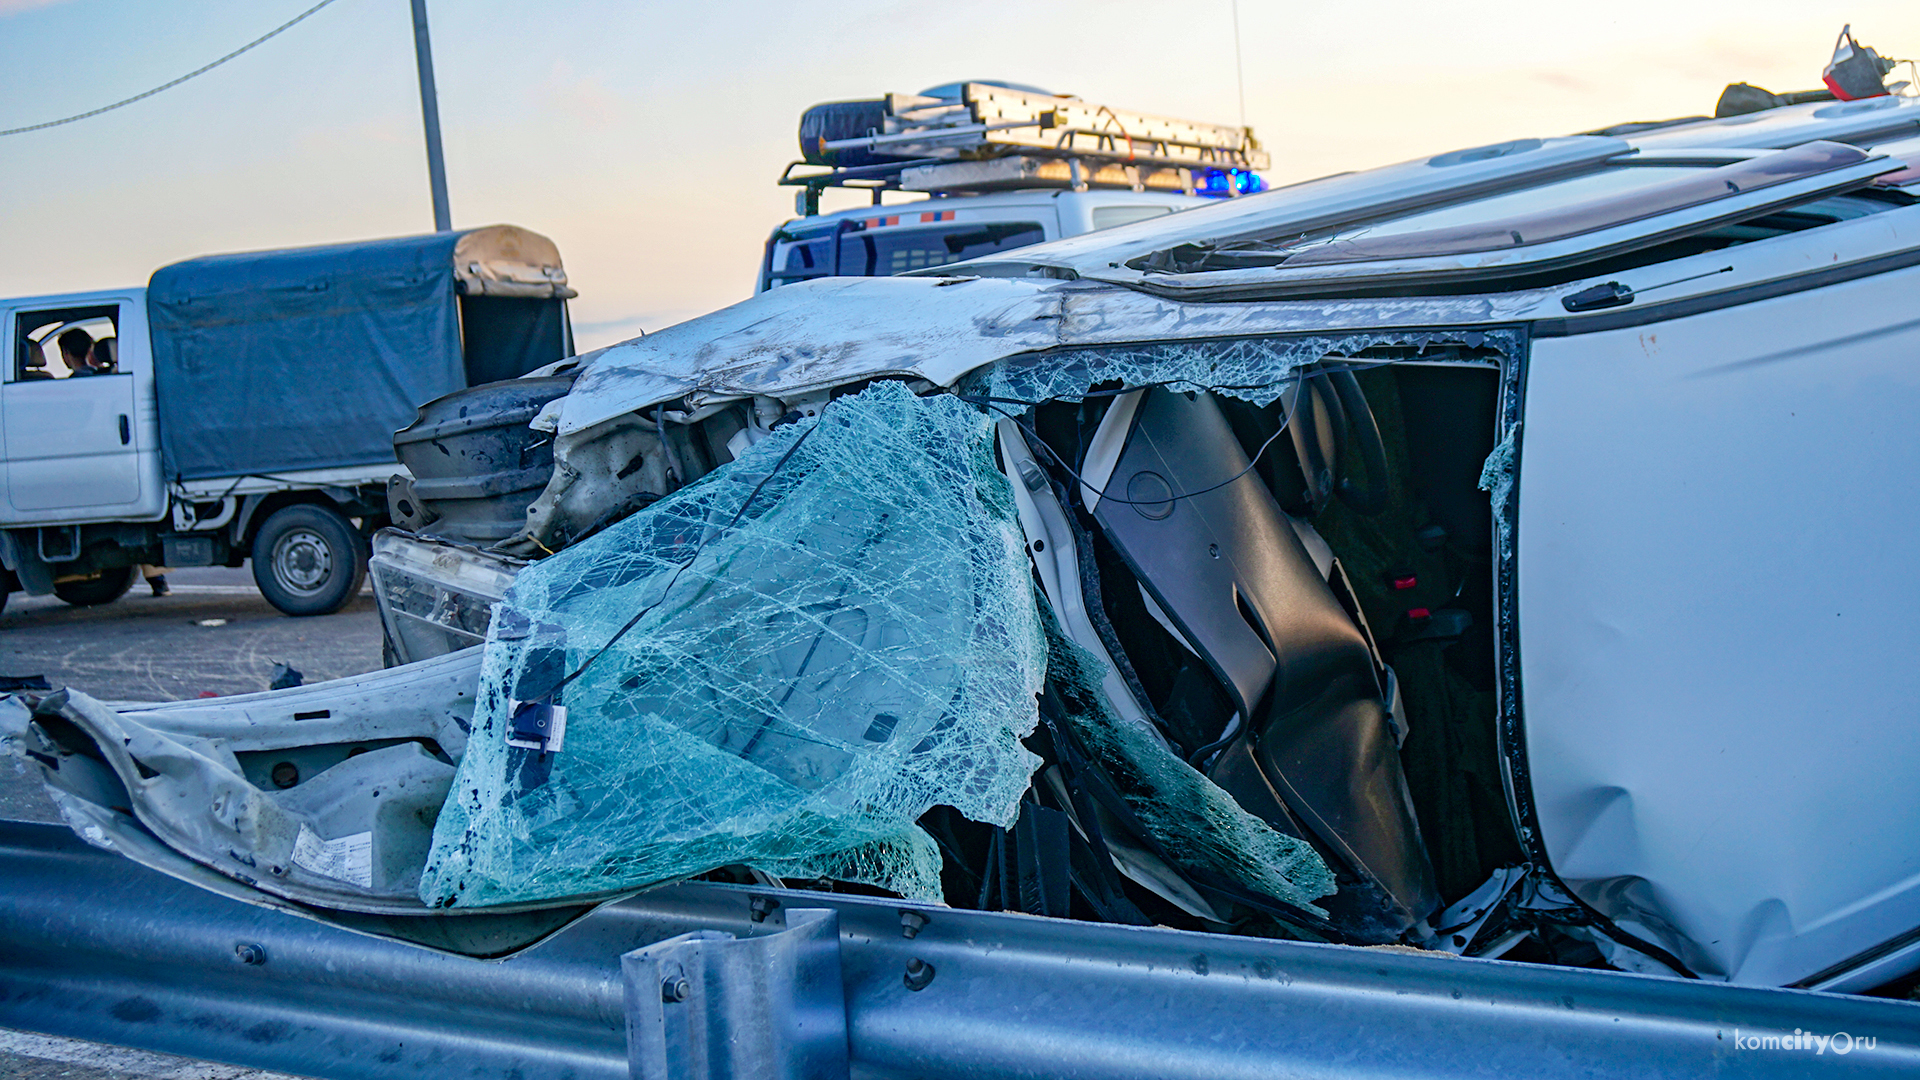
[(783, 666)]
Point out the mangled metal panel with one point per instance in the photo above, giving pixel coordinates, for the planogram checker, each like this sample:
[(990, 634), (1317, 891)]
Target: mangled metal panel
[(312, 794), (816, 334), (782, 665), (317, 800), (810, 336)]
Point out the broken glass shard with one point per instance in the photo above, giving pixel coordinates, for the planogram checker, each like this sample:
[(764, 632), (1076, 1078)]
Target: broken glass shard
[(782, 665)]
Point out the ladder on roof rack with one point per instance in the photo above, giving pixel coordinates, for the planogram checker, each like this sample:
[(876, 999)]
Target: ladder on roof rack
[(995, 138)]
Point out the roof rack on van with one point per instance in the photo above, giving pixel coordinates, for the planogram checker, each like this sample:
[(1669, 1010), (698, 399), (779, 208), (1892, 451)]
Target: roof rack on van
[(982, 136)]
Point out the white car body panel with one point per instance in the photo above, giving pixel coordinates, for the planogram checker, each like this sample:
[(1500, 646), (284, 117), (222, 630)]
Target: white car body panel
[(1862, 122), (1705, 773), (1716, 601)]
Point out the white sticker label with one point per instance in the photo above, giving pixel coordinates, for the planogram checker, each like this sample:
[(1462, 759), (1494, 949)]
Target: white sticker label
[(349, 859)]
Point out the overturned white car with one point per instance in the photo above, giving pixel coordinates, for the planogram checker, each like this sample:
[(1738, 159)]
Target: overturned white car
[(1498, 553)]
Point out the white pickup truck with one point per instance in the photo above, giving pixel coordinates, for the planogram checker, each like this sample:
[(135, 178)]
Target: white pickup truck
[(1002, 167), (244, 406)]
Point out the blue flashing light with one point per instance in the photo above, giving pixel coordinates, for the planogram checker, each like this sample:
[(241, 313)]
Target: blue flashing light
[(1219, 183)]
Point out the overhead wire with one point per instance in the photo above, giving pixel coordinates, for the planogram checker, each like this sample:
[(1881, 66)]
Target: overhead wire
[(261, 40)]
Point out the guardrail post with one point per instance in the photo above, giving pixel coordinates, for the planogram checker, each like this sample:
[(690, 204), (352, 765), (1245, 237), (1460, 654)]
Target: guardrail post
[(709, 1004)]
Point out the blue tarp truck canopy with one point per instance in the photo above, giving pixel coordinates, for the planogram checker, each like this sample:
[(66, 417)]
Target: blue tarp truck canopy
[(312, 358)]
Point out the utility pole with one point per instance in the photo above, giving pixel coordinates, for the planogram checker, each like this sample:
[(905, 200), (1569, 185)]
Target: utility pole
[(430, 115)]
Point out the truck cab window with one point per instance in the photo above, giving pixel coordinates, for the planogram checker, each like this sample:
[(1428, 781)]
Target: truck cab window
[(869, 251), (67, 344)]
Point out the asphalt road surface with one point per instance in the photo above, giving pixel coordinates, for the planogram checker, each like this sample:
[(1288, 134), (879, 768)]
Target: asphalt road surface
[(215, 635)]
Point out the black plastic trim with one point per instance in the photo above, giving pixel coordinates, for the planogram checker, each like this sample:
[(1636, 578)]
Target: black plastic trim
[(1726, 298)]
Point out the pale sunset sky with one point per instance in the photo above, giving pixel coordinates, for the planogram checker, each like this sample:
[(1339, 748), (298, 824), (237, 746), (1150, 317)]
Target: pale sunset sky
[(645, 138)]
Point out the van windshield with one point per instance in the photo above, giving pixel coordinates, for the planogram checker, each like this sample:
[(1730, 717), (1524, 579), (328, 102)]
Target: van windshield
[(885, 252)]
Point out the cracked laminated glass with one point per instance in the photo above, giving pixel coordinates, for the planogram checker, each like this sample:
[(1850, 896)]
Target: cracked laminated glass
[(1252, 369), (1199, 826), (782, 665), (786, 663)]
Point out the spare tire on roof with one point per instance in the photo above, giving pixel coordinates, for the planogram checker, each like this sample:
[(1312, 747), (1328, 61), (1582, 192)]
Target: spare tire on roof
[(838, 120)]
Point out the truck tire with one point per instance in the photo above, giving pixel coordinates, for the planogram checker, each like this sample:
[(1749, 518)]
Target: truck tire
[(309, 560), (108, 586)]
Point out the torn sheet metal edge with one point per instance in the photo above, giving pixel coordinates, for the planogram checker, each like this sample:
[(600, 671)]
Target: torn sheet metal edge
[(1456, 927), (122, 836), (103, 950), (151, 843), (815, 334), (125, 746), (801, 351), (811, 336)]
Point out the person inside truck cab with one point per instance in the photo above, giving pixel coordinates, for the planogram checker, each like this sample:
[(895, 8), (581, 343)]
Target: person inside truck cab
[(105, 360), (76, 348)]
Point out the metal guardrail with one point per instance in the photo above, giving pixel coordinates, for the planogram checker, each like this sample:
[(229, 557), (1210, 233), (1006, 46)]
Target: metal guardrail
[(787, 984)]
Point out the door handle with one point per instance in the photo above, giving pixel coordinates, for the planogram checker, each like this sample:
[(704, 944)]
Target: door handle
[(126, 430)]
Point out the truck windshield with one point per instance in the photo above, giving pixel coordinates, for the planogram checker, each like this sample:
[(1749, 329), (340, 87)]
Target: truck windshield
[(884, 252)]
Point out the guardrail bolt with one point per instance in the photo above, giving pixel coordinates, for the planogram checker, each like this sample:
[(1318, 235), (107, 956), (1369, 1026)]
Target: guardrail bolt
[(919, 974), (250, 954), (911, 923), (760, 907), (676, 988)]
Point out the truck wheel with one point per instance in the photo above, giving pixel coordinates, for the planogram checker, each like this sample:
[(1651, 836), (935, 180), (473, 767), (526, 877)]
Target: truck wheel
[(108, 586), (309, 560)]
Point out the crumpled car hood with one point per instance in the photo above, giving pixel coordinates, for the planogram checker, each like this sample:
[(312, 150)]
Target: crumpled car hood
[(818, 334), (813, 335)]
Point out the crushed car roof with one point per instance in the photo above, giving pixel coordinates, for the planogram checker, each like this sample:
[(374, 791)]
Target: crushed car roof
[(1082, 290)]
